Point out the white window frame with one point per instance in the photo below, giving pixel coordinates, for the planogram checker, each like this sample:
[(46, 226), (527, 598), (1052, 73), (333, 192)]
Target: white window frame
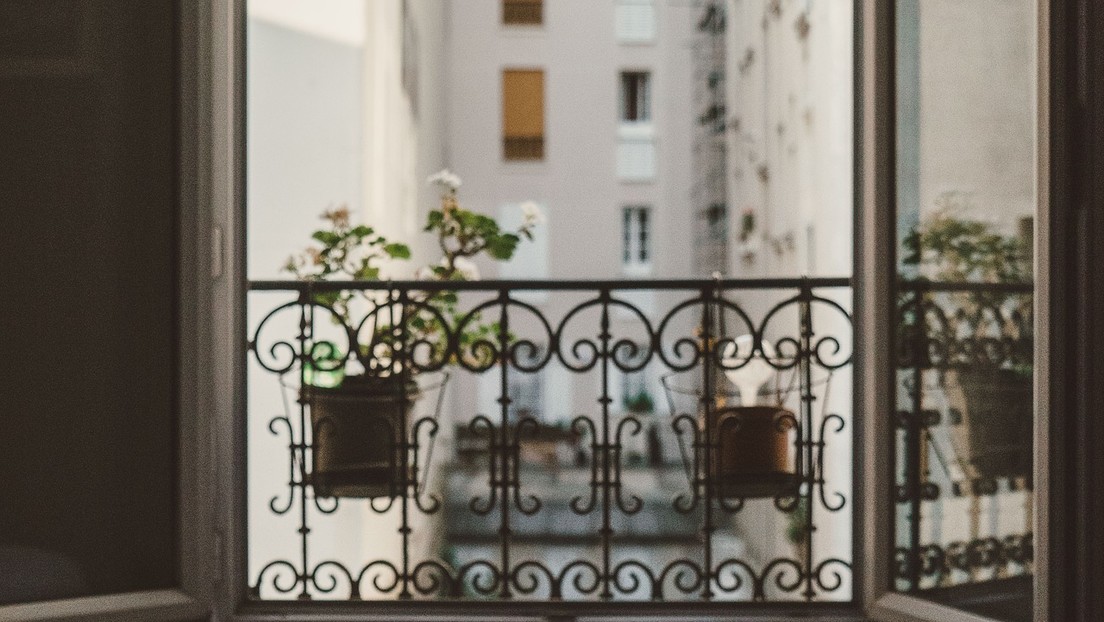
[(636, 149), (875, 241), (625, 12)]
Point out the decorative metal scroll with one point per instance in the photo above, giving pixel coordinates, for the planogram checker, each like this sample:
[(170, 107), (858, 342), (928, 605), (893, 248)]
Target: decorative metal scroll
[(585, 340)]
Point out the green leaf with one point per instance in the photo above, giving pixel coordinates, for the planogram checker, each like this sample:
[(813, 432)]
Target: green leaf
[(328, 238), (503, 246), (367, 273), (397, 250), (434, 220)]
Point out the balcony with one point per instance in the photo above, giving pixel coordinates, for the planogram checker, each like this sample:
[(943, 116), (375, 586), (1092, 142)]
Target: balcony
[(470, 480)]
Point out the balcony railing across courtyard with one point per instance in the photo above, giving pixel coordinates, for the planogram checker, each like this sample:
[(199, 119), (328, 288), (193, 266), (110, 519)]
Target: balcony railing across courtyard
[(551, 441)]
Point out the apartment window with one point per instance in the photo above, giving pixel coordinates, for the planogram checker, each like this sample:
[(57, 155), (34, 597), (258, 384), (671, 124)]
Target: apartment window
[(522, 12), (526, 393), (636, 249), (636, 21), (635, 97), (636, 140), (523, 114)]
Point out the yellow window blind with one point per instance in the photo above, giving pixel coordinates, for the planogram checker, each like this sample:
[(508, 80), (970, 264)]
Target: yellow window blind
[(523, 114)]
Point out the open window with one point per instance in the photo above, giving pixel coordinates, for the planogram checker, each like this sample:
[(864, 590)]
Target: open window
[(960, 114), (102, 512)]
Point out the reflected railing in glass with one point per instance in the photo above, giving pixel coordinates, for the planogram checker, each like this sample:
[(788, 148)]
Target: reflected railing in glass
[(964, 433)]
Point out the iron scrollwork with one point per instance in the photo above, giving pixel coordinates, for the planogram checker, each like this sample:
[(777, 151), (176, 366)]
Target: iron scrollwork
[(603, 336)]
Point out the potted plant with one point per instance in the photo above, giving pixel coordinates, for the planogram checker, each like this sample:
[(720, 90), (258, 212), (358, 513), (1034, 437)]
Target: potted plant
[(753, 456), (639, 404), (987, 340), (361, 420)]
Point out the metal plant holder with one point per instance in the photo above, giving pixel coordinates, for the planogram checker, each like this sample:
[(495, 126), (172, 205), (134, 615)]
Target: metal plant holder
[(361, 430)]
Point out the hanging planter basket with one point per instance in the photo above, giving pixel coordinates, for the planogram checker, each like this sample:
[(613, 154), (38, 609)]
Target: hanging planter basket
[(361, 430), (752, 457), (998, 416)]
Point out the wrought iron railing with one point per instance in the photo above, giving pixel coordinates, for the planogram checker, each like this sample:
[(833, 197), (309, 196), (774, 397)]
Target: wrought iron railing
[(459, 503), (964, 424)]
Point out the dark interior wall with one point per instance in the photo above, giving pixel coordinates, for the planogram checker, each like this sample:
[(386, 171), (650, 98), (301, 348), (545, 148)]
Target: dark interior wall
[(87, 246)]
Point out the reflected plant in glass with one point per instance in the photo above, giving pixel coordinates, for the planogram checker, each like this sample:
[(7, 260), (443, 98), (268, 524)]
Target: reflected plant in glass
[(982, 338)]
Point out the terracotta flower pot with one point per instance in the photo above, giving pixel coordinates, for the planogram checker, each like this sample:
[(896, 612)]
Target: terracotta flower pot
[(359, 430), (753, 454)]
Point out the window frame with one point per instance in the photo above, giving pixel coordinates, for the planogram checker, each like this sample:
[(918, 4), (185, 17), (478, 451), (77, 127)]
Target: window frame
[(636, 238), (876, 223), (219, 433), (202, 29)]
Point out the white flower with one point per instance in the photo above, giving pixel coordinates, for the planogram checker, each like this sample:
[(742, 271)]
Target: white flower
[(305, 264), (531, 214), (446, 179), (466, 268)]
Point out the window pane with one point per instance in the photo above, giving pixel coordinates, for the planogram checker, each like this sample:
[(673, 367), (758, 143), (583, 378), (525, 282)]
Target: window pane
[(966, 124), (627, 234), (89, 180), (634, 96), (569, 461)]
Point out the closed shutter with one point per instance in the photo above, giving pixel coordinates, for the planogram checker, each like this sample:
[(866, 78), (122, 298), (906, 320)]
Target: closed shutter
[(523, 114)]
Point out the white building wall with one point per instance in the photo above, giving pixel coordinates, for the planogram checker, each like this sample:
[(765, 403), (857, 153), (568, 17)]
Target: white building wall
[(790, 122), (581, 48), (790, 136)]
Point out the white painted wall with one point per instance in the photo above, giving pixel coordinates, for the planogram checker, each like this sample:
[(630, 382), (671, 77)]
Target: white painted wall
[(790, 137), (790, 124), (579, 183)]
